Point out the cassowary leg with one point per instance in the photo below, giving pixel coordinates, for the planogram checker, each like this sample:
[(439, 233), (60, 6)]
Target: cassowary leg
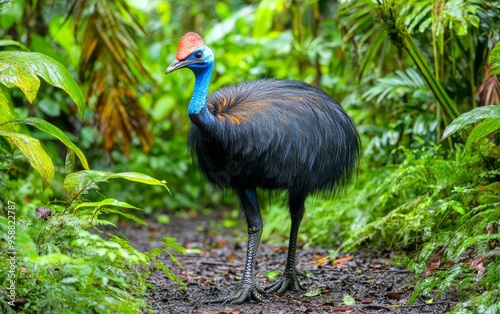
[(248, 289), (290, 279)]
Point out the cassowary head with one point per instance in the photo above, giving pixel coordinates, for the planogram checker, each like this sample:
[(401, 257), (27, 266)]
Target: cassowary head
[(192, 54)]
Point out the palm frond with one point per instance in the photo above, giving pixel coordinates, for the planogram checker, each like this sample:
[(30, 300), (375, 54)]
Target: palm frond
[(402, 82), (111, 65)]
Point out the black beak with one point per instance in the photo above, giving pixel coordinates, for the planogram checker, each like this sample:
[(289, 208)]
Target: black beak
[(176, 65)]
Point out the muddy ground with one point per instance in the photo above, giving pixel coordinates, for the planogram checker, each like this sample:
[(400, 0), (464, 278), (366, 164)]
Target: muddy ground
[(359, 282)]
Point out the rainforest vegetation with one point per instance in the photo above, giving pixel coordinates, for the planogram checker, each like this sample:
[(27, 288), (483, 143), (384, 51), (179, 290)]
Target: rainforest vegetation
[(93, 134)]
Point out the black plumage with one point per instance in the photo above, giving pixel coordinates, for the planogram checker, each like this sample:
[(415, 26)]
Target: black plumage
[(271, 134), (276, 134)]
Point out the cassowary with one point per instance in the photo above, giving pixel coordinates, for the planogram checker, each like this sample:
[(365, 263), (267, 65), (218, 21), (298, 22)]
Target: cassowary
[(270, 134)]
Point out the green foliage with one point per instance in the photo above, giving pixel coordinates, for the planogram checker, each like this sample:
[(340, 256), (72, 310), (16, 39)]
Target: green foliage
[(52, 261), (82, 181), (490, 124), (50, 129), (441, 205), (21, 69), (61, 265), (34, 152), (494, 59), (416, 200)]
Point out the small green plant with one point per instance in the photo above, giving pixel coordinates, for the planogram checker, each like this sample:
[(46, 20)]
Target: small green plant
[(51, 261), (22, 69), (439, 209)]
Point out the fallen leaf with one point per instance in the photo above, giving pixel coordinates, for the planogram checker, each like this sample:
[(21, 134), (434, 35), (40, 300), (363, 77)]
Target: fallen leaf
[(221, 243), (448, 265), (304, 309), (393, 295), (342, 259), (434, 262), (281, 249), (489, 228), (348, 300), (313, 293), (272, 274), (320, 262), (231, 311), (477, 263), (341, 309)]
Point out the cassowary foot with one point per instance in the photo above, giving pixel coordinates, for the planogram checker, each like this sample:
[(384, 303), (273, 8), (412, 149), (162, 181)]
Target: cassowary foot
[(289, 282), (246, 293)]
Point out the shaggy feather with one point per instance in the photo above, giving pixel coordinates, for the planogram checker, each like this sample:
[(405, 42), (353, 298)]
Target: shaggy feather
[(276, 134)]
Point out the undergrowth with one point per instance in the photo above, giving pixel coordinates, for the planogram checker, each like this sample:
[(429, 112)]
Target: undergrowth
[(56, 259), (439, 209)]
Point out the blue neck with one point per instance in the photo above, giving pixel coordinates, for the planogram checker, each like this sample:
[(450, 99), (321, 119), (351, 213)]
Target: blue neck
[(197, 108)]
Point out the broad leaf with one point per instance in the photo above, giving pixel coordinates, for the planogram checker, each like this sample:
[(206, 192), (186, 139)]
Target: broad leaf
[(69, 162), (21, 69), (128, 216), (36, 155), (313, 293), (494, 60), (484, 128), (80, 182), (471, 117), (51, 129), (106, 206), (5, 113), (114, 202), (10, 42), (139, 177)]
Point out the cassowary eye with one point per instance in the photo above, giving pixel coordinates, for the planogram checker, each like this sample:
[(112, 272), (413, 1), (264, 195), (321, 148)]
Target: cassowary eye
[(198, 55)]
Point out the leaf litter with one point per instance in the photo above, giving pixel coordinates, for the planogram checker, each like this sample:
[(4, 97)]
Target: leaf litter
[(358, 282)]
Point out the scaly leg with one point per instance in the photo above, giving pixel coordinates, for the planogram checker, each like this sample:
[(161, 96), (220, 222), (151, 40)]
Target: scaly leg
[(290, 279), (249, 289)]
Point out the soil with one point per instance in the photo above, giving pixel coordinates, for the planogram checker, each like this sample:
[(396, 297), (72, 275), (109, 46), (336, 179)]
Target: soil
[(359, 282)]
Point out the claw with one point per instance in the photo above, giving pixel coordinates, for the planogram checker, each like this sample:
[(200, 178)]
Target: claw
[(244, 294), (289, 281)]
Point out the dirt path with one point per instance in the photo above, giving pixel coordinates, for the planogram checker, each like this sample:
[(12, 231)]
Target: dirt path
[(216, 260)]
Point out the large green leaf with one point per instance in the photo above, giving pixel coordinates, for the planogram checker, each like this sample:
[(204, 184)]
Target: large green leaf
[(139, 177), (5, 113), (21, 69), (494, 59), (10, 42), (107, 206), (80, 182), (471, 117), (51, 129), (36, 155), (484, 128), (105, 202)]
